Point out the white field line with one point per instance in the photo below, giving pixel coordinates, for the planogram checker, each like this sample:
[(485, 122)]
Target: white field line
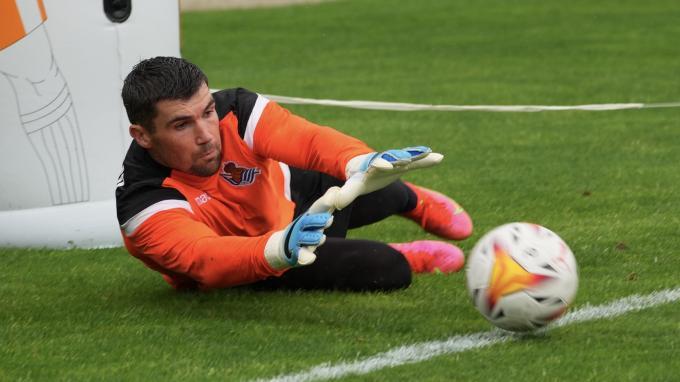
[(397, 106), (426, 350)]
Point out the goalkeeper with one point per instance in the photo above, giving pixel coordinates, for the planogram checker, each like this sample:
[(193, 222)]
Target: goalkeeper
[(228, 188)]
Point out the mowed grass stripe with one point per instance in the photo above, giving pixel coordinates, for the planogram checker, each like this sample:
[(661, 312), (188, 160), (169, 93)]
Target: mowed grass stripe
[(424, 351)]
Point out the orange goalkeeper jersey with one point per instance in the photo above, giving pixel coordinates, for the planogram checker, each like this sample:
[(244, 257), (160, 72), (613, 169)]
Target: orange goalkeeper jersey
[(210, 232)]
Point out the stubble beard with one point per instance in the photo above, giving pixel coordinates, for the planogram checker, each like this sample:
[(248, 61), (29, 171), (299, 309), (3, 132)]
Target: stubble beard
[(209, 168)]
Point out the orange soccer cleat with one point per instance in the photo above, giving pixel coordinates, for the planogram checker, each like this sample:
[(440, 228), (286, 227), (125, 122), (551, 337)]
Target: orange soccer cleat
[(429, 256), (440, 215)]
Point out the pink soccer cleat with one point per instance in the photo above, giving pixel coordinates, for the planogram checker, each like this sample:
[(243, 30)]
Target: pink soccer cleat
[(440, 215), (429, 256)]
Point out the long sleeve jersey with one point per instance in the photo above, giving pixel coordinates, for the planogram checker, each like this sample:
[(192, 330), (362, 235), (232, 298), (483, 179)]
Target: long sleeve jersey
[(210, 232)]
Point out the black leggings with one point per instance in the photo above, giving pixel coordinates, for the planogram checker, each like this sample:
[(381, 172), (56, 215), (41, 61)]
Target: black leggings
[(346, 264)]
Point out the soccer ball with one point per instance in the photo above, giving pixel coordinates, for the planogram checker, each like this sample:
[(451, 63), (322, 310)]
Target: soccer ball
[(521, 276)]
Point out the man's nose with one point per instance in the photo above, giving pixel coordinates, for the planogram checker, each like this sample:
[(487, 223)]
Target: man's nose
[(203, 132)]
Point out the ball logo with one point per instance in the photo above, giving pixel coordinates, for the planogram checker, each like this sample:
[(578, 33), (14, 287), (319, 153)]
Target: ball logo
[(238, 176), (508, 276)]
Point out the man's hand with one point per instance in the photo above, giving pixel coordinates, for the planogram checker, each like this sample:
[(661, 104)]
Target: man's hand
[(294, 246), (369, 172)]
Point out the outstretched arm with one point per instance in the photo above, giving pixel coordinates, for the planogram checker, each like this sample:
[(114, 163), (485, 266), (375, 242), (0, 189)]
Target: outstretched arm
[(291, 139)]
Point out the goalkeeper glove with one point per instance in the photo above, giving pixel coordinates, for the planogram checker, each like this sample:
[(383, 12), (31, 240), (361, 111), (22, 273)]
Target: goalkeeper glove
[(370, 172), (294, 246)]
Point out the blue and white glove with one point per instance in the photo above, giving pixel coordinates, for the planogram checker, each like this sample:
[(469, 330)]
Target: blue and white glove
[(294, 246), (370, 172)]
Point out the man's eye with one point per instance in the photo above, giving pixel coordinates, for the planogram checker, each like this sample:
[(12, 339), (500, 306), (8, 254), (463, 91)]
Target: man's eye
[(208, 113), (180, 126)]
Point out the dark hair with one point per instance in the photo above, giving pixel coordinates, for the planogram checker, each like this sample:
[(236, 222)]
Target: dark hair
[(156, 79)]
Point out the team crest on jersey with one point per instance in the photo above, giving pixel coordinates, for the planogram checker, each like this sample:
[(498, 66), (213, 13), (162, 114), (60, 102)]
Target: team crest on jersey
[(237, 175)]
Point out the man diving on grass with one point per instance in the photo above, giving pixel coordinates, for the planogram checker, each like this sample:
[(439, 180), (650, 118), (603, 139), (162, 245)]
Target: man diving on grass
[(229, 188)]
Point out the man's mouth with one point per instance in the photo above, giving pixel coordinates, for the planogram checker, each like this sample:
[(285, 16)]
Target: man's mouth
[(208, 153)]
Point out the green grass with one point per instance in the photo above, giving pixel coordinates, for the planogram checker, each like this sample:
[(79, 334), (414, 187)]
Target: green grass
[(446, 51), (606, 182)]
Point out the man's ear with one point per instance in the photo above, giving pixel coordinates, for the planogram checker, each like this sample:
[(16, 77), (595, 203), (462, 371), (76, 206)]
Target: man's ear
[(141, 136)]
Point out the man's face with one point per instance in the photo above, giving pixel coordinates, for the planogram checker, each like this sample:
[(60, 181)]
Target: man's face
[(186, 136)]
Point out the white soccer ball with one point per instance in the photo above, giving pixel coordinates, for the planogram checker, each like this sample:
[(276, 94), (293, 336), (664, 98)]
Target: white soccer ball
[(521, 276)]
